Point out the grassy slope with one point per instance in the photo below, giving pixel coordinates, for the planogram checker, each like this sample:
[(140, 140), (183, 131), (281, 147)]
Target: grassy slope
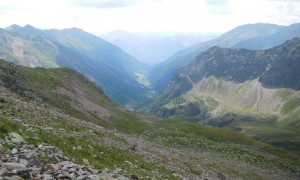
[(43, 116), (28, 50), (270, 115), (41, 84)]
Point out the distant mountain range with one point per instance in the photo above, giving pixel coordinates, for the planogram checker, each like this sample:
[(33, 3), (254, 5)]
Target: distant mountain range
[(263, 85), (104, 63), (155, 47), (253, 36), (124, 78)]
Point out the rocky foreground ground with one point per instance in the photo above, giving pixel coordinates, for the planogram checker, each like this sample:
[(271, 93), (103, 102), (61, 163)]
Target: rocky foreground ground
[(27, 161)]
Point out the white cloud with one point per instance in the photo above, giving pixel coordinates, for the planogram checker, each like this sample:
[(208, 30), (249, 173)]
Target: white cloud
[(104, 3), (216, 2), (108, 3), (148, 15)]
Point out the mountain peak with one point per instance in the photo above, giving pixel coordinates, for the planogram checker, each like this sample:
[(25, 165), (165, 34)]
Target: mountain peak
[(74, 29), (28, 26), (29, 29), (12, 27)]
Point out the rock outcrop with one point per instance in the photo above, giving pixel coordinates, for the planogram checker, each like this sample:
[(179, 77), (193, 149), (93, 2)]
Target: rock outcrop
[(21, 160)]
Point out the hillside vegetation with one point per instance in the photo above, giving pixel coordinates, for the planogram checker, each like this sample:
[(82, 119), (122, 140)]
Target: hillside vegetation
[(63, 108)]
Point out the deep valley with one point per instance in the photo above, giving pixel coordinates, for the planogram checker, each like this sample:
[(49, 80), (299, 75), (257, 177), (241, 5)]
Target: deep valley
[(74, 106)]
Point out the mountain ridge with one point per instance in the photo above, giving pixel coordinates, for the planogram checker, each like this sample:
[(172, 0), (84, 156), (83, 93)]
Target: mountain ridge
[(104, 63), (260, 84), (160, 76)]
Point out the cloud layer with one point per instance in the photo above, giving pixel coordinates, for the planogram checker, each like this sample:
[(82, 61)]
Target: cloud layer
[(101, 16), (108, 3)]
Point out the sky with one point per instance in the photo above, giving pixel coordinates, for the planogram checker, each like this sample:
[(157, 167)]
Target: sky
[(146, 16)]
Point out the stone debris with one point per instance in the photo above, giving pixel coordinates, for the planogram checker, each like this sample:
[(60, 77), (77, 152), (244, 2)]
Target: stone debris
[(25, 161)]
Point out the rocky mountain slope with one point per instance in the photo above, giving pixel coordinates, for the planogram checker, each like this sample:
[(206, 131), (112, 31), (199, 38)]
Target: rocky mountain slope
[(72, 129), (256, 36), (262, 84), (102, 62)]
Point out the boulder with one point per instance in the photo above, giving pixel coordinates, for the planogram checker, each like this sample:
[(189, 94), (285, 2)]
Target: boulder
[(15, 137)]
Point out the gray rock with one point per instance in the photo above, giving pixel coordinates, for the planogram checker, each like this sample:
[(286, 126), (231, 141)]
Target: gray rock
[(30, 154), (49, 148), (81, 172), (40, 146), (118, 171), (93, 177), (25, 173), (35, 160), (63, 163), (82, 177), (68, 166), (14, 151), (24, 161), (2, 171), (13, 178), (38, 176), (15, 137), (47, 177), (72, 175), (53, 167), (93, 171), (35, 171), (12, 166), (72, 170)]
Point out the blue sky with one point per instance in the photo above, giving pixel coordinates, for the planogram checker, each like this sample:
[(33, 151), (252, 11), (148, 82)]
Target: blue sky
[(102, 16)]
